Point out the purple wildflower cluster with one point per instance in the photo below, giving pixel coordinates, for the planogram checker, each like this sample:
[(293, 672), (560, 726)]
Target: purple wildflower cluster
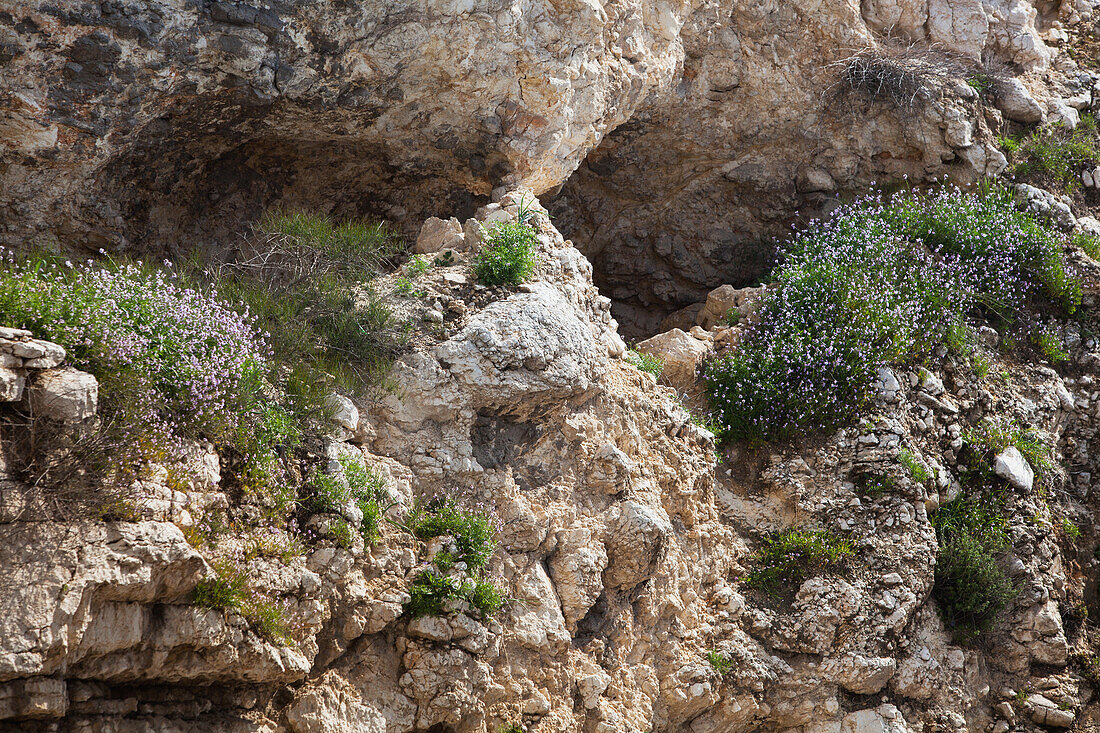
[(174, 362), (885, 279)]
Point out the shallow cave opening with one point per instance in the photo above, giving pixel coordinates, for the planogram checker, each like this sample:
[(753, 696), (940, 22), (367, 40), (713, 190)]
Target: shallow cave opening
[(656, 252)]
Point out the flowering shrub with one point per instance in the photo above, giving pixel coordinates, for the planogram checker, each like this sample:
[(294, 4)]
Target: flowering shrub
[(884, 280), (173, 361)]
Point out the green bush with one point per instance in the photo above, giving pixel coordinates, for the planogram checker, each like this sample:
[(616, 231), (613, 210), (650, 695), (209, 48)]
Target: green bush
[(792, 555), (330, 494), (473, 534), (507, 256), (970, 586), (174, 361), (431, 591), (882, 281), (1055, 151), (647, 363), (720, 662)]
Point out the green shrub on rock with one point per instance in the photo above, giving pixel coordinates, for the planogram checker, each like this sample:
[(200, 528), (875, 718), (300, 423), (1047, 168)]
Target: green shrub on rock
[(883, 280), (507, 256), (793, 555)]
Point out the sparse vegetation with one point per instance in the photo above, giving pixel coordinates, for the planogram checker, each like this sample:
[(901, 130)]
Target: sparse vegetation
[(648, 363), (905, 76), (872, 484), (1055, 151), (1071, 530), (792, 555), (914, 465), (230, 590), (329, 493), (993, 435), (507, 256)]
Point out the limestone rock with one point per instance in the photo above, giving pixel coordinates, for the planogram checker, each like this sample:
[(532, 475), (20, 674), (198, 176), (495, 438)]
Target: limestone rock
[(726, 298), (67, 395), (344, 412), (1016, 102), (638, 534), (438, 234), (1011, 465), (576, 569), (681, 353)]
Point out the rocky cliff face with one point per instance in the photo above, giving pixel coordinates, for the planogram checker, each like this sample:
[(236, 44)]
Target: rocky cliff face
[(624, 538), (709, 126), (679, 133)]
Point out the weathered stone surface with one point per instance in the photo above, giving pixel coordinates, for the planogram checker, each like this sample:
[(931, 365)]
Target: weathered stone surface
[(32, 698), (90, 605), (438, 234), (67, 395), (681, 353), (1011, 465)]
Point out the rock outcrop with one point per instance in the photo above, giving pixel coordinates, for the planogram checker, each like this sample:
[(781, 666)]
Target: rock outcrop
[(702, 127), (622, 543)]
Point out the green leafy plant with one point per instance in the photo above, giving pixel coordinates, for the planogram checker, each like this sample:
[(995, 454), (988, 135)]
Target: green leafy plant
[(472, 534), (792, 555), (970, 586), (507, 256), (914, 465), (1071, 530), (404, 286), (647, 363), (720, 662), (329, 493)]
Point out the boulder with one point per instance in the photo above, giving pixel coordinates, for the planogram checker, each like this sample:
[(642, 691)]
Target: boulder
[(344, 412), (1016, 102), (437, 235), (1011, 465), (726, 298), (682, 354), (67, 395), (637, 536)]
